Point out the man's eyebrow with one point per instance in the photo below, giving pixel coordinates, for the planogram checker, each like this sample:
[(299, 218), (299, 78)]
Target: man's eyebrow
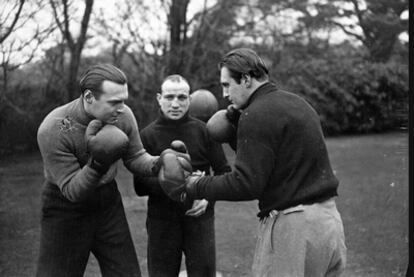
[(116, 100)]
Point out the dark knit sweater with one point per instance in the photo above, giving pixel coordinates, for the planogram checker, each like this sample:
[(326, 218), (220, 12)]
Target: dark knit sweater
[(281, 159), (205, 154)]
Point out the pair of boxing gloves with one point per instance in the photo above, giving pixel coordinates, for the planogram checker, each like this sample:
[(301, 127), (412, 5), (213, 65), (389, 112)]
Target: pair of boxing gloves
[(107, 144), (175, 176)]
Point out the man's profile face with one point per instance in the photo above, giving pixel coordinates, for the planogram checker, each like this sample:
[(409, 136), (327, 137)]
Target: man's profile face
[(110, 104), (237, 93), (174, 100)]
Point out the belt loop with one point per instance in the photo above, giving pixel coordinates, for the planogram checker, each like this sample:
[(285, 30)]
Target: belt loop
[(275, 214)]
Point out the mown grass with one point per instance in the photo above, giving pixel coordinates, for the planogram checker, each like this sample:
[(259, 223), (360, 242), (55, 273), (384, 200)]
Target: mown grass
[(373, 201)]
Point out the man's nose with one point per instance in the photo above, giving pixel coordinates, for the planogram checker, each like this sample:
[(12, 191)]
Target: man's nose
[(225, 92), (175, 103), (120, 108)]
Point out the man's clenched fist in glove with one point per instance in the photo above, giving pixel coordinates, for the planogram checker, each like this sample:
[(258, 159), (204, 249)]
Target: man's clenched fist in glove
[(106, 144), (175, 166), (222, 126)]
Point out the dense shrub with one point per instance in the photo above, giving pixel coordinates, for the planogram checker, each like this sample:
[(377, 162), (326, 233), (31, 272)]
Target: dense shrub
[(352, 95)]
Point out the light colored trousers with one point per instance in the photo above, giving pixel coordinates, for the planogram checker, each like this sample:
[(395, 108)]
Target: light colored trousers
[(305, 240)]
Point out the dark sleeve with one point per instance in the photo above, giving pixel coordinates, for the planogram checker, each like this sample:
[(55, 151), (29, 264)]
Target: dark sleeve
[(218, 159), (146, 185), (254, 164)]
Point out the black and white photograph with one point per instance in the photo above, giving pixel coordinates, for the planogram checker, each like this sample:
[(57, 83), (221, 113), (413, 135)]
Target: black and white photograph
[(204, 138)]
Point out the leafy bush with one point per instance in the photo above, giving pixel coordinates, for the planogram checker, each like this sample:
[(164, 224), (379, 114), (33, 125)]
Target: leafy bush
[(352, 95)]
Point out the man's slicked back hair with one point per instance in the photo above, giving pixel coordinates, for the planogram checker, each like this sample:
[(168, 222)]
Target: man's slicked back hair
[(242, 61), (94, 76), (175, 78)]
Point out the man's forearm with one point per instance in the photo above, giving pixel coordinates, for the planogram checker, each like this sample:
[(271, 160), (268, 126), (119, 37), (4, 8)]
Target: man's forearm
[(142, 164), (81, 184)]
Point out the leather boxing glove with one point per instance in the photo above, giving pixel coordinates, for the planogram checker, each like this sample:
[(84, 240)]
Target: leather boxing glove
[(222, 126), (233, 115), (171, 176), (178, 148), (175, 167), (105, 143)]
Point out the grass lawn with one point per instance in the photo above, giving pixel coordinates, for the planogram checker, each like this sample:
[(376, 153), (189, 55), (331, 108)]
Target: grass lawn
[(373, 201)]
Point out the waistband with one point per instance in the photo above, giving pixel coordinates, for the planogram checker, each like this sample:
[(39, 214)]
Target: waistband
[(330, 202), (101, 198)]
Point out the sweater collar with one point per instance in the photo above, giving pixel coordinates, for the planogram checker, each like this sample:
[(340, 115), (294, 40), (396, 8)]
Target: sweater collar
[(261, 90), (162, 119)]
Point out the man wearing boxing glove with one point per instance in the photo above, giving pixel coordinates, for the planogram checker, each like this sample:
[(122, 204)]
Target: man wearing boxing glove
[(175, 228), (222, 126), (82, 211), (281, 160)]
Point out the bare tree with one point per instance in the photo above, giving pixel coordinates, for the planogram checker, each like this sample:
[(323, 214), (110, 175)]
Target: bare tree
[(17, 51), (61, 11), (134, 33), (7, 24)]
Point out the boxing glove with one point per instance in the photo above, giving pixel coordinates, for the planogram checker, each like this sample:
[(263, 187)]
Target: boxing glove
[(105, 143), (178, 148), (222, 126), (174, 170)]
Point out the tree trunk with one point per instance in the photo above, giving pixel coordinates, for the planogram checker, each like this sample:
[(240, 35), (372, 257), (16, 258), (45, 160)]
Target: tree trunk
[(72, 85), (178, 33)]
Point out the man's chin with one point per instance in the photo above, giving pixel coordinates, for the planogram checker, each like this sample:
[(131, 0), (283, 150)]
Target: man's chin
[(176, 116)]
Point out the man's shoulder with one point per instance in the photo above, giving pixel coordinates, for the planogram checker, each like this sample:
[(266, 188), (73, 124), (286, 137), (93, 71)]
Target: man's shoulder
[(148, 130), (197, 122), (57, 117), (58, 126), (151, 126)]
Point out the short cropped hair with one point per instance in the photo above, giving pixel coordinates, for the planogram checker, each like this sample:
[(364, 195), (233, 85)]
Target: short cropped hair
[(175, 78), (243, 61), (94, 76)]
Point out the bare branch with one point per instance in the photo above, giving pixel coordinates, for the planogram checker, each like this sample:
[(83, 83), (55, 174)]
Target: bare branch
[(348, 32), (57, 17), (13, 23)]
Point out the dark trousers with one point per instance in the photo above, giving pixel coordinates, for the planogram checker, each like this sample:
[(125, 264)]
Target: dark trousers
[(70, 231), (168, 239)]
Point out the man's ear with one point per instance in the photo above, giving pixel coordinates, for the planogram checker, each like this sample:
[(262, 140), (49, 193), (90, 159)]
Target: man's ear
[(247, 79), (159, 96), (88, 96)]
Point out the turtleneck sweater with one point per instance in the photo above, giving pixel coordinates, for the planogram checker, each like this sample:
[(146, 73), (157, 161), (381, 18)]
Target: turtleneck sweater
[(205, 154)]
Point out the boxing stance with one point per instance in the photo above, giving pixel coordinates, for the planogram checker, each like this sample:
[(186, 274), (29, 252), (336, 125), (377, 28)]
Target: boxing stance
[(82, 211), (281, 160)]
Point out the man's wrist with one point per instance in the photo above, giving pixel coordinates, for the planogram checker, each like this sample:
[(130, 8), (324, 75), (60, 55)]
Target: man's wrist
[(191, 186)]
